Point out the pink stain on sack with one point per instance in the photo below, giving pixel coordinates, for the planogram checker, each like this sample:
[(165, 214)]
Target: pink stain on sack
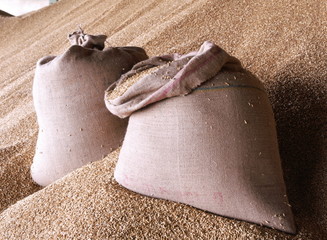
[(149, 189), (189, 194), (180, 76), (218, 196), (163, 190), (125, 181)]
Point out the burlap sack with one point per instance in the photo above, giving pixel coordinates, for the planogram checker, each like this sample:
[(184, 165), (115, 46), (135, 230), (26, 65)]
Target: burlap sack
[(74, 125), (215, 149)]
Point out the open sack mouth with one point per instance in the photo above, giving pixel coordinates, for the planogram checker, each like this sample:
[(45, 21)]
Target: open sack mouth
[(127, 82), (173, 75)]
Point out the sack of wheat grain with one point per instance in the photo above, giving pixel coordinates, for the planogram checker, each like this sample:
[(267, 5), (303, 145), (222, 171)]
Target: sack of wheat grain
[(201, 132), (74, 125)]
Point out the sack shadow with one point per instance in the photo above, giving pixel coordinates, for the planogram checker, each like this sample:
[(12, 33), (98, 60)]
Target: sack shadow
[(300, 107)]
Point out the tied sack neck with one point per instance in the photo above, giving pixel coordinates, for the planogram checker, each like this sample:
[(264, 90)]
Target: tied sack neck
[(87, 41), (177, 75)]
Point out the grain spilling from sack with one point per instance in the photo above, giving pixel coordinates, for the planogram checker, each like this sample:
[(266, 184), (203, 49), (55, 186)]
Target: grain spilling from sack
[(205, 136), (74, 126)]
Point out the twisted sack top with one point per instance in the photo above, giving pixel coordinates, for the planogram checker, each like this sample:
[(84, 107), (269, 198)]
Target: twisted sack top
[(86, 40)]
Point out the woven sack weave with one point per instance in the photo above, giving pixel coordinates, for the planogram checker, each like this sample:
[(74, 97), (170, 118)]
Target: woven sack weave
[(201, 132), (74, 125)]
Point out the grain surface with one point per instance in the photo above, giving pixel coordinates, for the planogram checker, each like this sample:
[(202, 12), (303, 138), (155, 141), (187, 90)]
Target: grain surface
[(283, 42)]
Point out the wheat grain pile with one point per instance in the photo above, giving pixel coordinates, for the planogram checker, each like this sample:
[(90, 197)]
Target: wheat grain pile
[(283, 42)]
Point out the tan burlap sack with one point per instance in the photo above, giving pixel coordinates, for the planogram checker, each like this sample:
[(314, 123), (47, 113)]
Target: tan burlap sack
[(74, 125), (215, 149)]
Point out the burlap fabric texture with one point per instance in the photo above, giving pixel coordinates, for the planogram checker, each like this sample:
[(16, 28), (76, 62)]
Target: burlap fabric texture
[(74, 125), (202, 132)]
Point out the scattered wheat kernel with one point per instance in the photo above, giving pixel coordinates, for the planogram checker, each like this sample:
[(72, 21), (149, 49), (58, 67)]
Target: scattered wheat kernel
[(249, 104)]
